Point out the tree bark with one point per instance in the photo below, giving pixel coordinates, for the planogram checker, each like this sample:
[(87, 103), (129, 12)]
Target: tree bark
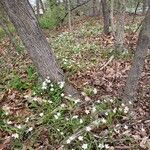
[(112, 17), (106, 16), (138, 61), (38, 8), (120, 18), (22, 16), (94, 7), (42, 6)]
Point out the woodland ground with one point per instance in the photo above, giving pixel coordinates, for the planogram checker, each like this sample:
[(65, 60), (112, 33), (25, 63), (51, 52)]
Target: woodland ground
[(35, 119)]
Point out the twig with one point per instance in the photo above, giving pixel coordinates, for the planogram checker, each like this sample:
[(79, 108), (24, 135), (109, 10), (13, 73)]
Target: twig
[(111, 58)]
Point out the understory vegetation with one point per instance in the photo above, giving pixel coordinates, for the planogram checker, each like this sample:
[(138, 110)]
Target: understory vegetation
[(36, 114)]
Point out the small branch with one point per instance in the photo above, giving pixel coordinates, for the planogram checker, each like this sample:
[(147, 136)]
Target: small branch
[(62, 20), (104, 65)]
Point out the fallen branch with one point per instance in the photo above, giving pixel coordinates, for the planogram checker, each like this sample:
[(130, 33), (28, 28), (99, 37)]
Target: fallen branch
[(104, 65)]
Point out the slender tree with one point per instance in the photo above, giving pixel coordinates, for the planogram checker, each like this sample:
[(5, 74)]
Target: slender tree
[(120, 18), (138, 61), (106, 15), (22, 16)]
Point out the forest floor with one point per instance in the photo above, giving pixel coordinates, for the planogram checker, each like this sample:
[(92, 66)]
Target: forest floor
[(33, 118)]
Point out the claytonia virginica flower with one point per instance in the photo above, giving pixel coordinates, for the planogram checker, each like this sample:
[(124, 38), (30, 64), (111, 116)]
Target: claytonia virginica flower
[(84, 146), (44, 85), (51, 89), (94, 109), (62, 94), (76, 101), (81, 121), (88, 129), (126, 109), (126, 127), (87, 111), (41, 114), (80, 138), (107, 146), (75, 117), (9, 122), (61, 84), (63, 105), (95, 91), (18, 126), (15, 135), (101, 146), (57, 115), (69, 140), (103, 120), (30, 129)]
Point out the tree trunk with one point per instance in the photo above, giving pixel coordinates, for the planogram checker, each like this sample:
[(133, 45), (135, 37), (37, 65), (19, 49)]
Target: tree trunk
[(106, 16), (38, 8), (138, 61), (145, 4), (120, 25), (22, 16), (42, 6), (112, 17), (94, 7), (69, 15)]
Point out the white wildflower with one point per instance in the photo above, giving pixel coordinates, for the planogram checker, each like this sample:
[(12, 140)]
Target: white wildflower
[(88, 129), (80, 138), (9, 122), (35, 99), (62, 94), (126, 127), (58, 114), (15, 135), (120, 109), (27, 119), (114, 110), (41, 114), (75, 117), (44, 85), (47, 80), (126, 109), (62, 133), (6, 109), (30, 129), (76, 101), (94, 109), (49, 101), (107, 146), (111, 100), (63, 105), (142, 129), (51, 85), (123, 105), (83, 93), (61, 84), (106, 113), (101, 146), (51, 89), (130, 102), (103, 120), (58, 130), (85, 146), (18, 126), (95, 91), (56, 117), (81, 121), (68, 141), (98, 101), (87, 111)]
